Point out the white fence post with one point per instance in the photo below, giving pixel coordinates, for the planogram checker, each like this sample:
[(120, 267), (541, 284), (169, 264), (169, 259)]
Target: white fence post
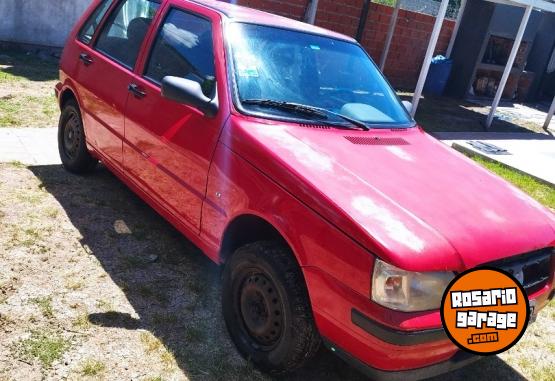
[(390, 33), (429, 54), (510, 63), (456, 29), (311, 12), (549, 115)]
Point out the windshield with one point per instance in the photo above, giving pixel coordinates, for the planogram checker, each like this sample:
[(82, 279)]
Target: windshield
[(287, 66)]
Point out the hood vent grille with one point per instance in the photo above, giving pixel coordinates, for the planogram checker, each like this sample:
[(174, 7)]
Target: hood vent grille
[(376, 141), (318, 126)]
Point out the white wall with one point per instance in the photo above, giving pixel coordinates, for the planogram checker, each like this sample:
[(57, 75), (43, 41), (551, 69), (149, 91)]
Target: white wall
[(40, 22)]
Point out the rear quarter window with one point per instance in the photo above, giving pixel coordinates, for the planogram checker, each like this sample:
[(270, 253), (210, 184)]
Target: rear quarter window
[(88, 30)]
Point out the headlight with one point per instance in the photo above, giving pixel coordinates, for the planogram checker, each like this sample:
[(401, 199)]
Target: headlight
[(408, 291)]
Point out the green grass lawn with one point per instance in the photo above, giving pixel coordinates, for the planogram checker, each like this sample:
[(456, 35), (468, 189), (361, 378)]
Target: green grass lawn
[(543, 193), (27, 90)]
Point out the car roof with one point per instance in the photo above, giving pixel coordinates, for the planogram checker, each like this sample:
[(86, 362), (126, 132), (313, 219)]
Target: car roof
[(253, 16)]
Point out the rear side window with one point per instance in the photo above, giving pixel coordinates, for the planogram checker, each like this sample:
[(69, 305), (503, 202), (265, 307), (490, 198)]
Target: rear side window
[(125, 30), (183, 49), (89, 28)]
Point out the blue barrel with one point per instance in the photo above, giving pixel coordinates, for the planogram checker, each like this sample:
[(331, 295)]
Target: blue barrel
[(439, 73)]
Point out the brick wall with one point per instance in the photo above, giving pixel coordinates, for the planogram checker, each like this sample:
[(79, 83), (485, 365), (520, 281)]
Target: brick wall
[(294, 9), (409, 44)]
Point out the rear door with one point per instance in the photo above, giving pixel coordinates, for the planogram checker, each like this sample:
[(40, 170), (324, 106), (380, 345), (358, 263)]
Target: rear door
[(105, 70), (168, 146)]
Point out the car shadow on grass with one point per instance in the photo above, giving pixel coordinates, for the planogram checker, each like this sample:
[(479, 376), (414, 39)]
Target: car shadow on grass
[(28, 65), (173, 287)]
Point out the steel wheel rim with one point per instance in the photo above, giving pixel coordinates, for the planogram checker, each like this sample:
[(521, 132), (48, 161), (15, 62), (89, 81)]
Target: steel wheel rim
[(72, 136), (261, 310)]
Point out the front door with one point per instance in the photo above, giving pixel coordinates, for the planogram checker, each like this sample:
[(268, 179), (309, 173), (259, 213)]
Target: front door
[(105, 71), (168, 146)]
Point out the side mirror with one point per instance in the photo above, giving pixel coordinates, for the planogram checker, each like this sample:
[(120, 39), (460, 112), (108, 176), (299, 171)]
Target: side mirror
[(408, 106), (189, 92)]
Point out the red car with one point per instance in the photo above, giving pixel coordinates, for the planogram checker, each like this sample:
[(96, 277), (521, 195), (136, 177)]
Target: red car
[(282, 152)]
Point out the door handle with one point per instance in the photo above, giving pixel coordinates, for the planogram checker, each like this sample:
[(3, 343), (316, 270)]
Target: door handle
[(87, 60), (136, 90)]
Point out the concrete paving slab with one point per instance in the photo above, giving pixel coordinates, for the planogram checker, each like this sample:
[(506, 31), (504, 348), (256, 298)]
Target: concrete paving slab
[(533, 154), (29, 146), (511, 112)]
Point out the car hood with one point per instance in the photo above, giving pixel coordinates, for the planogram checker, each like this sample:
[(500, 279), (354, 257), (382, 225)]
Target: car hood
[(405, 196)]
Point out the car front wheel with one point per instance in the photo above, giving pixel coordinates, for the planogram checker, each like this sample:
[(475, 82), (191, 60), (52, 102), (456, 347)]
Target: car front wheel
[(266, 308)]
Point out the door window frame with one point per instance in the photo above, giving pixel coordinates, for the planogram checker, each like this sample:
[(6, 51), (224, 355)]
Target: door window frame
[(218, 48), (80, 32), (92, 43), (113, 8), (156, 34)]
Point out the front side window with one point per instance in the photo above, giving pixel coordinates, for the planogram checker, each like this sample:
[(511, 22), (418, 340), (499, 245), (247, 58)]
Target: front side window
[(125, 30), (183, 49), (89, 28), (279, 65)]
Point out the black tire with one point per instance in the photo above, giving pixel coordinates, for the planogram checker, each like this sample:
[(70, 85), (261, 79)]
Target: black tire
[(75, 156), (266, 308)]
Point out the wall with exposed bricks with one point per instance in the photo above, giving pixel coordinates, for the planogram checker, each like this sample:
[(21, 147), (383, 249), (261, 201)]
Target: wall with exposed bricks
[(289, 8), (409, 44)]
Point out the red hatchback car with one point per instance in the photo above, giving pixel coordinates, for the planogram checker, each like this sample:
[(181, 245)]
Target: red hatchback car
[(282, 152)]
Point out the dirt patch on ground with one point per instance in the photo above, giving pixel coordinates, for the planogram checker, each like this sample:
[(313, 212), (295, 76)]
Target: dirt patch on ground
[(95, 285)]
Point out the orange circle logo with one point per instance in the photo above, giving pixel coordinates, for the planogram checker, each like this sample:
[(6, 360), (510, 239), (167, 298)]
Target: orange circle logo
[(485, 311)]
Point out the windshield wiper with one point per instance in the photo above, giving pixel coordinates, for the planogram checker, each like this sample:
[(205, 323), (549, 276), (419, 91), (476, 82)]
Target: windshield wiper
[(305, 109), (289, 106)]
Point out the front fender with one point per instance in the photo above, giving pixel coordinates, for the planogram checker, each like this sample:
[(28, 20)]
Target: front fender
[(235, 187)]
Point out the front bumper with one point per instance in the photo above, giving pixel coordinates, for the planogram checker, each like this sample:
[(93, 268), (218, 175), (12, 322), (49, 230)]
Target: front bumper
[(391, 336), (348, 323), (459, 360)]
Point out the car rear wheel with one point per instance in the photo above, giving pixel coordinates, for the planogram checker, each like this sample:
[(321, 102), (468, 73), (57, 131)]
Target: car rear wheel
[(266, 308), (71, 141)]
